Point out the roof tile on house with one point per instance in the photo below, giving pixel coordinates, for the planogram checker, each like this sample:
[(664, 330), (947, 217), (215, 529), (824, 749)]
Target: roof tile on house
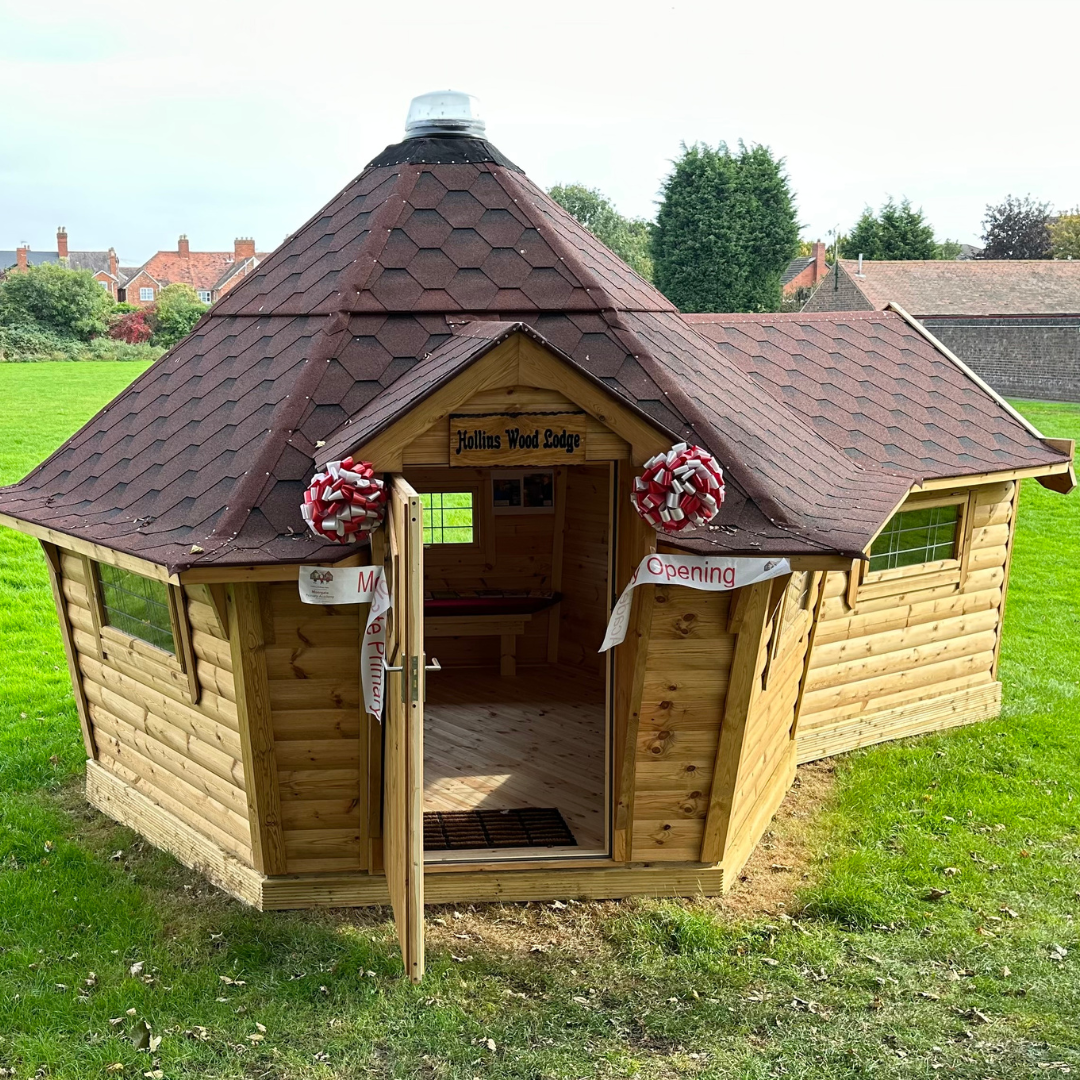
[(409, 274), (970, 286)]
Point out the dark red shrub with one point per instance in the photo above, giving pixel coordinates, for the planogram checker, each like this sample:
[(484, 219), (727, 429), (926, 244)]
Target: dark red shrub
[(134, 327)]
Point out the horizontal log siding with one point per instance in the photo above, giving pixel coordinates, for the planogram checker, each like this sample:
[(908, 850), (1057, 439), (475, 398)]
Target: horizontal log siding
[(184, 757), (313, 672), (686, 680), (916, 653)]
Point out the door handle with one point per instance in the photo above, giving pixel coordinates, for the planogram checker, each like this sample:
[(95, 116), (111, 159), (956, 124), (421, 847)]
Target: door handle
[(387, 667), (433, 666)]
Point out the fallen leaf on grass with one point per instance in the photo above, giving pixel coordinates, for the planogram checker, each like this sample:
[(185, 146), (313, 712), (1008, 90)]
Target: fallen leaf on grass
[(951, 871), (936, 894), (1009, 911), (770, 961), (115, 1067), (136, 968), (1058, 952)]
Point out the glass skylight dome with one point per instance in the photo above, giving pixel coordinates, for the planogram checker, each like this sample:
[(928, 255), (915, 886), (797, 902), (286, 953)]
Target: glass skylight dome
[(444, 112)]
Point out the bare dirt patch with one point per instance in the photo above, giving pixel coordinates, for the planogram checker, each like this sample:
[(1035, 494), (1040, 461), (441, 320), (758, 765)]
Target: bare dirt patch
[(780, 864)]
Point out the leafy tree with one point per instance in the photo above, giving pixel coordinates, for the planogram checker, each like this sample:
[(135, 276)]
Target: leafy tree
[(627, 237), (948, 249), (66, 302), (1017, 229), (726, 230), (177, 310), (1065, 235), (898, 231)]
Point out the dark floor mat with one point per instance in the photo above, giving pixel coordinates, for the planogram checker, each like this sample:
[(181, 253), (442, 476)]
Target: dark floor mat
[(459, 830)]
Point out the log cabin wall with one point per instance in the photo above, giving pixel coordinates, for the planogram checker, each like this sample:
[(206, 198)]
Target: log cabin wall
[(144, 726), (512, 551), (584, 610), (767, 762), (685, 686), (319, 732), (914, 654)]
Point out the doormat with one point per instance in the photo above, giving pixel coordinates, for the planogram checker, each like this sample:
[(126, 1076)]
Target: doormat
[(457, 830)]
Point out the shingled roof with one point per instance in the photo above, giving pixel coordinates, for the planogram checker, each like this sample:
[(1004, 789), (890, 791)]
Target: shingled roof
[(440, 249), (970, 286)]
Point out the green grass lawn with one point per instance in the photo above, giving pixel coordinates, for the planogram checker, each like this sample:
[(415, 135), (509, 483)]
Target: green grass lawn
[(859, 976)]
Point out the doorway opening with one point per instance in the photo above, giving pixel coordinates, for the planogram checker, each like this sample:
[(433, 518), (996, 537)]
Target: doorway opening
[(517, 571)]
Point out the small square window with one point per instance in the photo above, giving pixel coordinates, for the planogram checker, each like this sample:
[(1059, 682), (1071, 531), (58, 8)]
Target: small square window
[(136, 605), (146, 293), (448, 517), (104, 285), (204, 295), (913, 537)]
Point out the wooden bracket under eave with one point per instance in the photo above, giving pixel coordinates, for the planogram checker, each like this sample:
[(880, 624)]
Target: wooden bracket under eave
[(1062, 482)]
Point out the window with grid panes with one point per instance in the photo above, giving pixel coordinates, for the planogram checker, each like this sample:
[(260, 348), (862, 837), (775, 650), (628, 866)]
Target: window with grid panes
[(136, 605), (917, 536), (448, 517)]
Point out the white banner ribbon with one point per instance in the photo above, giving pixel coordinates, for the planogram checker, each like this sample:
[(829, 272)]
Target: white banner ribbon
[(356, 585), (695, 572)]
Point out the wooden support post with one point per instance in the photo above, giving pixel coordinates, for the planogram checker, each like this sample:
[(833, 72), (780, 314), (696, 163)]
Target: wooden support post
[(634, 540), (743, 687), (52, 565), (507, 655), (247, 645)]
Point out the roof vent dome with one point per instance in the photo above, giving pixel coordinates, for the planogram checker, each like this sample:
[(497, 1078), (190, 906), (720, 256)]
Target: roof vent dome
[(444, 112)]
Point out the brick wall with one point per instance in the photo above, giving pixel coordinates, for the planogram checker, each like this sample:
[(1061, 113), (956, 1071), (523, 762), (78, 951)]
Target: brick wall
[(838, 295), (1022, 356)]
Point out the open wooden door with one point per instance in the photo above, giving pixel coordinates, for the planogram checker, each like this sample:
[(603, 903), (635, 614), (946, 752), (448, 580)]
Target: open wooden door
[(403, 738)]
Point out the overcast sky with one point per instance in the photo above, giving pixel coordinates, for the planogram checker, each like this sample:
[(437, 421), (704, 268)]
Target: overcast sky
[(131, 125)]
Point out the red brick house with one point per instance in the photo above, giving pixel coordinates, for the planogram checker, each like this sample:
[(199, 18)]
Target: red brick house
[(803, 274), (102, 264), (210, 273)]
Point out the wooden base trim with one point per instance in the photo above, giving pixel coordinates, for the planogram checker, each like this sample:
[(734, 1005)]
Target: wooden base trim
[(348, 890), (965, 706), (115, 799)]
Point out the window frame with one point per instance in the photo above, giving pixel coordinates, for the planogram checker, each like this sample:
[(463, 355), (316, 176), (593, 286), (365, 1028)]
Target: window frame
[(143, 289), (950, 571), (200, 293), (481, 552), (117, 645), (461, 545)]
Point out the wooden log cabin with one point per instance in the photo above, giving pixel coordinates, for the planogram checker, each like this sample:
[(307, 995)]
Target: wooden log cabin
[(439, 298)]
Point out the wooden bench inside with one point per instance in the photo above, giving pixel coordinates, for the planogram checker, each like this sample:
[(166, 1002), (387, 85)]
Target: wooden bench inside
[(505, 627)]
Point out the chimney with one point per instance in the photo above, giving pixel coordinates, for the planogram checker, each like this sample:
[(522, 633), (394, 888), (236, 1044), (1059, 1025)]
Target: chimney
[(183, 247), (243, 248), (114, 269), (22, 256), (860, 274), (61, 243), (818, 251)]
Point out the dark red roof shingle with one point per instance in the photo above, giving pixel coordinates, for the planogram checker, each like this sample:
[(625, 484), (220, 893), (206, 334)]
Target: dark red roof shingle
[(436, 252)]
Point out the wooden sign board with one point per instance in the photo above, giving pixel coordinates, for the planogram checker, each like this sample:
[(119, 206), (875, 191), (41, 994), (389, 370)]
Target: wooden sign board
[(518, 439)]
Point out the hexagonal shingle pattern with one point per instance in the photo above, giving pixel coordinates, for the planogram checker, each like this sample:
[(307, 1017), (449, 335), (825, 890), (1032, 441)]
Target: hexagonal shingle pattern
[(435, 252)]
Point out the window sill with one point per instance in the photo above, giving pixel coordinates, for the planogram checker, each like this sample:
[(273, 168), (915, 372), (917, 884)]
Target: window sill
[(905, 579)]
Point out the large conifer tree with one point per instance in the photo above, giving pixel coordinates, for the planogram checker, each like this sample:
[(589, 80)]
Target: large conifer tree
[(725, 231)]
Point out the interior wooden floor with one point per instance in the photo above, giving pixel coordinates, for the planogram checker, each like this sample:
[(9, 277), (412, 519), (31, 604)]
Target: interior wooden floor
[(535, 740)]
